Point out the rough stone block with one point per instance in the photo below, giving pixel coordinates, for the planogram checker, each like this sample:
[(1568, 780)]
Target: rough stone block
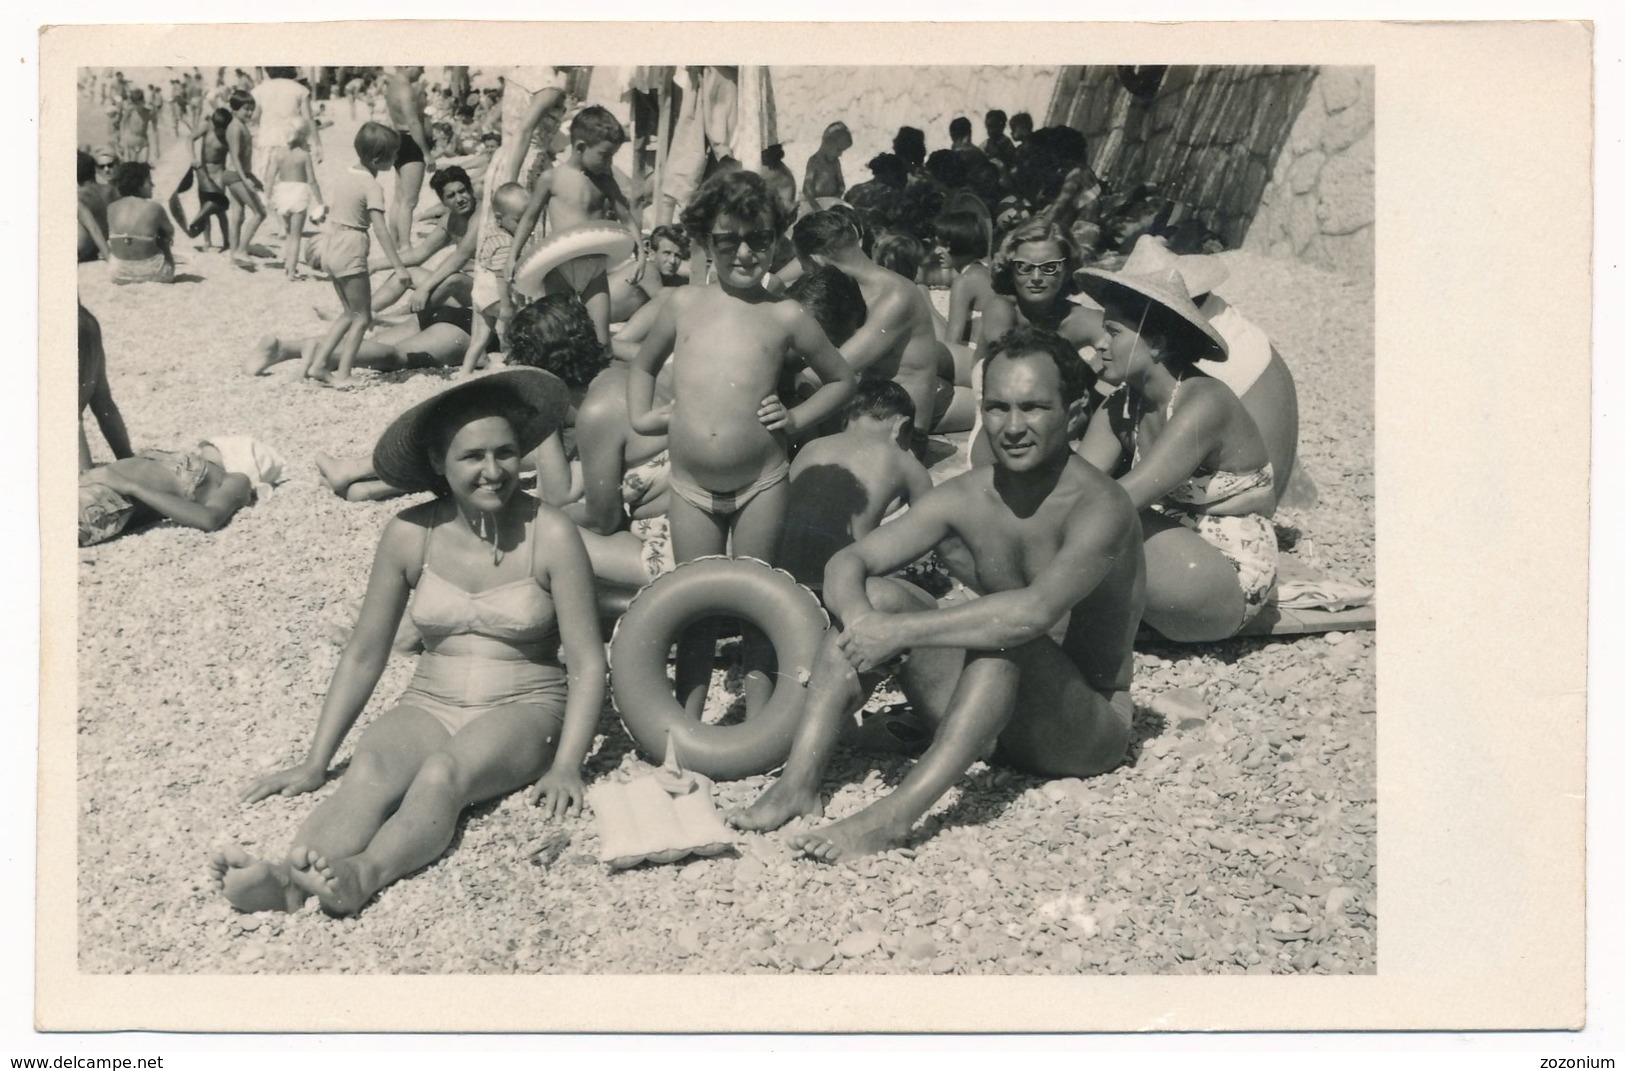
[(1341, 87), (1344, 129), (1347, 189), (1305, 170), (1302, 225)]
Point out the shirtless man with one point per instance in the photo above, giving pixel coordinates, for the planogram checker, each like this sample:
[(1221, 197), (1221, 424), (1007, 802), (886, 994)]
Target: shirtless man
[(1035, 673), (403, 96), (899, 340), (135, 124)]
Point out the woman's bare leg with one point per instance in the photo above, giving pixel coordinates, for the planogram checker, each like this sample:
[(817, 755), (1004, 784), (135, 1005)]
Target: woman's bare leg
[(502, 750), (1192, 593)]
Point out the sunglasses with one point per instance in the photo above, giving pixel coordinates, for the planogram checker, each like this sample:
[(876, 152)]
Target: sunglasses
[(1048, 269), (105, 167), (759, 241)]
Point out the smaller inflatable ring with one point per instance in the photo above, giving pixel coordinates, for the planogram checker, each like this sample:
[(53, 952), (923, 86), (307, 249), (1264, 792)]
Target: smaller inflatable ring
[(608, 240), (768, 598)]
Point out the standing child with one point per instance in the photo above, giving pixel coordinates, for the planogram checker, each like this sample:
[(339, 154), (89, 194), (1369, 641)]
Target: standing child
[(357, 205), (492, 295), (295, 191), (583, 190), (730, 342)]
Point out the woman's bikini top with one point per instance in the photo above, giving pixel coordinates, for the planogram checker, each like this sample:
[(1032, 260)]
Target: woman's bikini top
[(518, 613), (1204, 488)]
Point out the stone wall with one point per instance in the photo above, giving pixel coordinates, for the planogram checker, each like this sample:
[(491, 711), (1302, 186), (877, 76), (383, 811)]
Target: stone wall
[(1205, 136), (1320, 204), (875, 101)]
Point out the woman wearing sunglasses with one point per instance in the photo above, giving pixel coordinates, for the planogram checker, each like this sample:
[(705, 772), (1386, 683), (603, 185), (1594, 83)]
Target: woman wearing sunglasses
[(1032, 281)]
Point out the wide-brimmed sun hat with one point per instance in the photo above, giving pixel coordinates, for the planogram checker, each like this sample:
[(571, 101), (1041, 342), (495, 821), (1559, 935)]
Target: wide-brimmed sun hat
[(1165, 289), (1201, 272), (401, 458)]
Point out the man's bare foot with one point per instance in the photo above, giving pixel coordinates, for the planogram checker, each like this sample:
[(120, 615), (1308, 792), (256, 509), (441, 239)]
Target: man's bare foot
[(338, 382), (263, 355), (779, 803), (253, 884), (870, 830), (338, 885)]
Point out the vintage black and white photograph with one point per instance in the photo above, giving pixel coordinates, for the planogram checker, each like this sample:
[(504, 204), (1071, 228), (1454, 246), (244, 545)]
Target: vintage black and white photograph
[(772, 521), (970, 469)]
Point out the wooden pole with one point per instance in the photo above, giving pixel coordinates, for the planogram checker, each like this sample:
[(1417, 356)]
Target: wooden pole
[(662, 140)]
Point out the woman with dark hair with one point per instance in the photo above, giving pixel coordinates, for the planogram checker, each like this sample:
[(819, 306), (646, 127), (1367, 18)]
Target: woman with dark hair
[(962, 247), (780, 179), (1189, 455), (139, 234), (505, 602)]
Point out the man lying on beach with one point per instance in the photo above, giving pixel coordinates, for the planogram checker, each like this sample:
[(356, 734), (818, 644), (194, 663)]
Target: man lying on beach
[(1034, 673)]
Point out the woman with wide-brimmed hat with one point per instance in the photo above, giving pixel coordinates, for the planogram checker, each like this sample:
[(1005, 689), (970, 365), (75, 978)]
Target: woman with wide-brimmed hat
[(503, 585), (1189, 455)]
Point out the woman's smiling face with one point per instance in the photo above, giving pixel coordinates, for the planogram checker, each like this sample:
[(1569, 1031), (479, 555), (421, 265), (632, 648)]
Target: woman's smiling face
[(481, 464)]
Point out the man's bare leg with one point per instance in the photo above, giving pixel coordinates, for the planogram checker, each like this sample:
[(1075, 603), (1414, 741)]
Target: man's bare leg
[(270, 350)]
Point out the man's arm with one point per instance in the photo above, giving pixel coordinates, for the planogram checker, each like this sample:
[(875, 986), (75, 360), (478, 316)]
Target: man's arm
[(209, 515), (1091, 540), (87, 220), (891, 546)]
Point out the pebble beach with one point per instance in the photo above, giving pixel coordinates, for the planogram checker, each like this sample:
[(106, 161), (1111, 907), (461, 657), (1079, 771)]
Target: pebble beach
[(1239, 837)]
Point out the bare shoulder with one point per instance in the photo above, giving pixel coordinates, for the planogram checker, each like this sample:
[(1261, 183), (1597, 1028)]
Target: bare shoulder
[(1101, 506), (403, 536)]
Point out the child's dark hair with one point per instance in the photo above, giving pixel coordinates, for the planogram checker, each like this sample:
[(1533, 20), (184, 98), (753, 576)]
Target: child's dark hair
[(1077, 378), (87, 167), (1023, 120), (901, 253), (556, 335), (947, 167), (376, 143), (595, 124), (773, 156), (744, 195), (909, 145), (671, 233), (130, 177), (880, 399), (995, 120), (445, 176), (832, 298), (220, 118), (241, 98), (959, 128), (962, 234), (820, 232), (889, 168)]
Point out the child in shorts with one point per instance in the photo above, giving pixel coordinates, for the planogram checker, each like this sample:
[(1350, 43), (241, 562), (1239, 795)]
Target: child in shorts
[(356, 207), (730, 342), (579, 191), (295, 193), (492, 294)]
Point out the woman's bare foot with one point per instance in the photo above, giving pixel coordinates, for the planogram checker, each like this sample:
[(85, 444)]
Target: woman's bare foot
[(871, 830), (339, 885), (779, 803), (333, 474), (253, 884), (338, 382)]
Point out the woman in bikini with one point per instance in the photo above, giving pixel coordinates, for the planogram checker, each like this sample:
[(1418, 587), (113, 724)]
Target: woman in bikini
[(139, 234), (1188, 454), (503, 588)]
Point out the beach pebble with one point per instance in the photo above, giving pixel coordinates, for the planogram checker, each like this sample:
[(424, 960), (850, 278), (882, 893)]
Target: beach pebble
[(917, 944), (860, 944), (810, 956), (1178, 704)]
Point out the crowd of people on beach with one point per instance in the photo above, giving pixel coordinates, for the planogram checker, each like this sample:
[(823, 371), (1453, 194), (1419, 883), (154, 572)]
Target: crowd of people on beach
[(763, 374)]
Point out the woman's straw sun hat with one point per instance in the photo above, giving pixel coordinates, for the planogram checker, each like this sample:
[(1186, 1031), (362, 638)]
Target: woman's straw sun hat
[(401, 458), (1166, 290)]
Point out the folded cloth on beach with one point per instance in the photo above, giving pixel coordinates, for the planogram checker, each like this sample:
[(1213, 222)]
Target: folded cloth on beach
[(254, 459), (103, 512), (1321, 594)]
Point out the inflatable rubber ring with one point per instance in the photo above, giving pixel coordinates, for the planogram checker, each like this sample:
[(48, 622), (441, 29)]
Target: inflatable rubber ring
[(768, 598), (608, 240)]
